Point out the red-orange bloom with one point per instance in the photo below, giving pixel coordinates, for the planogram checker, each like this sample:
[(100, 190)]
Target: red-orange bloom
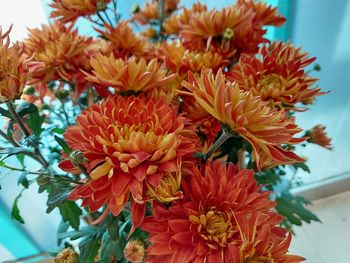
[(15, 68), (319, 136), (264, 128), (67, 11), (130, 143), (264, 14), (277, 76), (131, 75), (124, 41), (205, 226)]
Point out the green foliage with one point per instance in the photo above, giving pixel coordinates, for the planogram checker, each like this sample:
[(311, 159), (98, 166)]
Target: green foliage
[(15, 213), (22, 179), (70, 213), (63, 144), (293, 209)]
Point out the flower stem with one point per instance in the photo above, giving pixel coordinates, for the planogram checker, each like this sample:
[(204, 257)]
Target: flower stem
[(161, 15), (223, 138), (26, 132)]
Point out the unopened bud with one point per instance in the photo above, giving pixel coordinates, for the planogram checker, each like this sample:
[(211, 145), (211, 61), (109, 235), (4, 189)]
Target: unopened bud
[(101, 5), (77, 157), (29, 90), (228, 34), (66, 256), (61, 94), (317, 67), (135, 8), (135, 251)]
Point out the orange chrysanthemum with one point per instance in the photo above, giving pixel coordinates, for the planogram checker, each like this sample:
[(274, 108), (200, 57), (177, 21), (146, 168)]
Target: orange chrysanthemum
[(135, 251), (124, 41), (318, 135), (62, 51), (278, 76), (205, 226), (180, 60), (15, 68), (264, 14), (67, 11), (264, 128), (150, 11), (128, 76), (130, 144)]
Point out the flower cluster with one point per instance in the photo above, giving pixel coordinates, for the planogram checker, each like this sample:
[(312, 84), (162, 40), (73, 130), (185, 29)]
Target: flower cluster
[(164, 130)]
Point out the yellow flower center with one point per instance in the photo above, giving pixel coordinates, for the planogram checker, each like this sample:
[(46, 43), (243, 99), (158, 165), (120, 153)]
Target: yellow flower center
[(215, 227), (271, 86), (259, 259)]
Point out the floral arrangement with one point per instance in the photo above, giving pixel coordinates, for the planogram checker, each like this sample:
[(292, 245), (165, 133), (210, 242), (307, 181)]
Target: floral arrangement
[(167, 137)]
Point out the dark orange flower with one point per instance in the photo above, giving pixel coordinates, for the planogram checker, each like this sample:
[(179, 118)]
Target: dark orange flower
[(125, 42), (205, 226), (128, 76), (319, 136), (150, 11), (264, 14), (61, 49), (264, 128), (15, 68), (131, 144), (278, 76), (67, 11)]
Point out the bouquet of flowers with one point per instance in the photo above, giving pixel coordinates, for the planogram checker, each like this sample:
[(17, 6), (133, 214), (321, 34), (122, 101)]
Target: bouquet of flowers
[(165, 137)]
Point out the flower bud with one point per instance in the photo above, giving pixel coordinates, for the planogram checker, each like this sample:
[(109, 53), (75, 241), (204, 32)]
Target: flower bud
[(77, 157), (61, 94), (135, 251), (135, 9), (67, 255), (228, 34)]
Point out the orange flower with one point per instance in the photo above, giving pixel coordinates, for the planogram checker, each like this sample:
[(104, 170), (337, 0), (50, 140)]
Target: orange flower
[(319, 136), (150, 11), (264, 128), (135, 251), (205, 226), (62, 51), (278, 76), (67, 11), (264, 14), (180, 60), (15, 68), (128, 76), (130, 143), (124, 41)]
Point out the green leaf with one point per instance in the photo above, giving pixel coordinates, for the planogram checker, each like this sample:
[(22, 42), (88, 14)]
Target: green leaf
[(89, 248), (23, 180), (63, 144), (62, 228), (20, 157), (5, 113), (293, 209), (71, 213), (15, 213), (302, 166), (111, 249), (113, 227)]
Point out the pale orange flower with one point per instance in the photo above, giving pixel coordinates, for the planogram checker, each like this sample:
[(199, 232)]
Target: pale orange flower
[(124, 41), (131, 144), (128, 76), (67, 11), (264, 128), (61, 49), (135, 251), (15, 68), (150, 11), (206, 225), (277, 75), (319, 136)]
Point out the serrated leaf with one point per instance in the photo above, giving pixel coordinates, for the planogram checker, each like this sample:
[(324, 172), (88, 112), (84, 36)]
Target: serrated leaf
[(71, 213), (23, 180), (110, 249), (15, 213), (293, 209), (88, 249), (63, 144), (62, 228)]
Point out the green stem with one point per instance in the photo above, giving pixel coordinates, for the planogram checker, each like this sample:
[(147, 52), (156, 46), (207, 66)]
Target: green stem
[(110, 22), (26, 132), (65, 112), (161, 15)]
